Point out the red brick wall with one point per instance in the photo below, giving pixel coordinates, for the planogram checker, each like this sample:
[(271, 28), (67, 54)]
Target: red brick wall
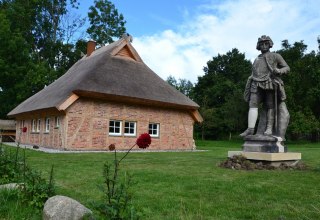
[(51, 139), (88, 125)]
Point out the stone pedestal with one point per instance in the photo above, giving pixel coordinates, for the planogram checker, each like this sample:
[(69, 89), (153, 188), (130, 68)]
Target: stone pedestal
[(274, 159), (266, 149), (262, 143)]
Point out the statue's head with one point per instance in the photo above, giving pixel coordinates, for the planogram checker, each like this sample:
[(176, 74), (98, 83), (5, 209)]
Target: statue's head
[(263, 39)]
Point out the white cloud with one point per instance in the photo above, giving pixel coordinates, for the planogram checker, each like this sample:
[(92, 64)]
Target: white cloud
[(217, 28)]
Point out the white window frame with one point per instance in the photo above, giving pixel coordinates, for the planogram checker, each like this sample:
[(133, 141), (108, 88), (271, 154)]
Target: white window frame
[(130, 125), (22, 122), (39, 125), (114, 127), (57, 121), (47, 130), (154, 131), (33, 124)]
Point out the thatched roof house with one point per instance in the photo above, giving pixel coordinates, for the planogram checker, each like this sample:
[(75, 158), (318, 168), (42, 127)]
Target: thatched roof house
[(111, 75)]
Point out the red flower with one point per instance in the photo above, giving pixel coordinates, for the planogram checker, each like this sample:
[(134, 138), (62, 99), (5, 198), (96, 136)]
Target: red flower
[(112, 147), (24, 129), (144, 140)]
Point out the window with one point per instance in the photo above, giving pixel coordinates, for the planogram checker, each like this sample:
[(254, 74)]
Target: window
[(39, 125), (115, 127), (33, 122), (47, 124), (154, 129), (130, 128), (21, 123), (57, 121)]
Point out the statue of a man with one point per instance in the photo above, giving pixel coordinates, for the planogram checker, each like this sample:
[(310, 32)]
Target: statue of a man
[(265, 86)]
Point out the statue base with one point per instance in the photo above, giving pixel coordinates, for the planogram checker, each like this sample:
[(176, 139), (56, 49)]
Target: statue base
[(274, 159), (262, 143), (266, 149)]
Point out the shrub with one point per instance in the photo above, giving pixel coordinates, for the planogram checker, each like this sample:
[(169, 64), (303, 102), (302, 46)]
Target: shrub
[(34, 189), (118, 197)]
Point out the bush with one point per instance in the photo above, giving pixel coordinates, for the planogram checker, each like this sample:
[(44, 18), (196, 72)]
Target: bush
[(34, 189), (117, 204)]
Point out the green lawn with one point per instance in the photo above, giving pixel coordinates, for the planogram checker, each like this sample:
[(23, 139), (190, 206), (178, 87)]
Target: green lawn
[(190, 185)]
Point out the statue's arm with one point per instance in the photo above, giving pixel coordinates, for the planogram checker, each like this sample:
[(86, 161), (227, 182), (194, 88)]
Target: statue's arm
[(282, 66)]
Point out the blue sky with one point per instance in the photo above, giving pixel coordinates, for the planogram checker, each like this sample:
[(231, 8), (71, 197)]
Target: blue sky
[(147, 17), (178, 37)]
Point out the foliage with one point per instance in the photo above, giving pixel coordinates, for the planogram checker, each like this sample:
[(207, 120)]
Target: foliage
[(11, 166), (105, 21), (118, 196), (303, 91), (34, 190), (12, 207), (40, 41), (182, 85), (303, 123), (219, 93)]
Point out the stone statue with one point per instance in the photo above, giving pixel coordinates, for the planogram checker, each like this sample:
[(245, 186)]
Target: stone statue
[(265, 87)]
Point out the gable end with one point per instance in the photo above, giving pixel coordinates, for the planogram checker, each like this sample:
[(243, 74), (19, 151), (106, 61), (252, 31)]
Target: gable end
[(124, 49), (125, 52)]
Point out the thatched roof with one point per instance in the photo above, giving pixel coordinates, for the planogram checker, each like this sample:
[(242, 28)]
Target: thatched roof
[(114, 72), (7, 125)]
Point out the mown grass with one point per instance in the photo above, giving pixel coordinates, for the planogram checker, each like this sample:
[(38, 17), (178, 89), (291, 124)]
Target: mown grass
[(191, 185)]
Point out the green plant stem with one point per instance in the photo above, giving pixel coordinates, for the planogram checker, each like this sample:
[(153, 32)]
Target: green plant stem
[(17, 152), (16, 157), (115, 174), (51, 186), (127, 152), (24, 168)]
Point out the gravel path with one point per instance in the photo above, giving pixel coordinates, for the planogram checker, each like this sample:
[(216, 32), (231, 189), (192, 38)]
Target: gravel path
[(49, 150)]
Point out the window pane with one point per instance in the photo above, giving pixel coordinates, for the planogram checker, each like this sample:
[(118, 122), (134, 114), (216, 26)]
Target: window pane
[(47, 124), (115, 127), (57, 120), (38, 125), (154, 129), (130, 128)]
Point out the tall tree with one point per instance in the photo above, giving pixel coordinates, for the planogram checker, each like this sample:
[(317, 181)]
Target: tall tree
[(220, 94), (303, 91), (14, 64), (37, 45), (105, 22)]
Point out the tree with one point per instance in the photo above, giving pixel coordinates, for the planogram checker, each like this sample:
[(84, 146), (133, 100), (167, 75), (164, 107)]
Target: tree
[(14, 63), (220, 94), (38, 44), (303, 91), (183, 85), (30, 40), (105, 22)]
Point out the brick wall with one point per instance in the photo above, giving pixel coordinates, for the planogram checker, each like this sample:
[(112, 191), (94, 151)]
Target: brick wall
[(51, 139), (87, 125)]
